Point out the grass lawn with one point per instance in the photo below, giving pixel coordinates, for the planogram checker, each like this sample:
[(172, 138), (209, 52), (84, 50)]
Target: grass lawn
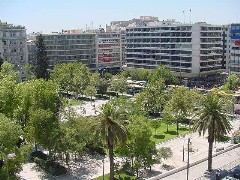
[(72, 102), (122, 175), (163, 135)]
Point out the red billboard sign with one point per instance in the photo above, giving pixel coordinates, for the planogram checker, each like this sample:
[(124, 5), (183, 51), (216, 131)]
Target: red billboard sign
[(237, 42)]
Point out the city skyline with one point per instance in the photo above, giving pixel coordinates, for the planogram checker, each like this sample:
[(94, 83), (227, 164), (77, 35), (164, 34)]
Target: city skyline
[(48, 16)]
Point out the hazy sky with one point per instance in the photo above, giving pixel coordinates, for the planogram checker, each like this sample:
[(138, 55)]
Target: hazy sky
[(54, 15)]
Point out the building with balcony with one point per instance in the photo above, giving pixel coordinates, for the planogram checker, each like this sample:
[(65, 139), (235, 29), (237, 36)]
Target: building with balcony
[(13, 46), (96, 50), (234, 49), (189, 50), (63, 48), (31, 46), (109, 52)]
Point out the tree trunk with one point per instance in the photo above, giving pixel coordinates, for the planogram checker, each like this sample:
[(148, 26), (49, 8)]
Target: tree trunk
[(210, 148), (177, 127), (110, 148), (132, 165)]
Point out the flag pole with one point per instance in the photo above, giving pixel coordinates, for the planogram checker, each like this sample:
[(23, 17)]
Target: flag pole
[(190, 11), (183, 16)]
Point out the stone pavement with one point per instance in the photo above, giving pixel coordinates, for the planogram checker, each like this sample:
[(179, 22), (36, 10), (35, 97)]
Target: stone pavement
[(199, 169), (199, 151)]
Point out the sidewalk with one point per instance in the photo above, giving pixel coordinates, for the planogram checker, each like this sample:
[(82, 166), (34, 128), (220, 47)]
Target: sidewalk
[(199, 150)]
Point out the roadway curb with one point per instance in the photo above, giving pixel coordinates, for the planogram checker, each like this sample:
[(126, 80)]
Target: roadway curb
[(193, 164)]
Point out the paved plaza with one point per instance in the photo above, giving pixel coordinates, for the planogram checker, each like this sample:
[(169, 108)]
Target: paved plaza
[(91, 167)]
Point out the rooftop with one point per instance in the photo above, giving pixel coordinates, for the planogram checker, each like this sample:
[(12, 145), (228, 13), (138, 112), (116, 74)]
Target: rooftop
[(5, 25)]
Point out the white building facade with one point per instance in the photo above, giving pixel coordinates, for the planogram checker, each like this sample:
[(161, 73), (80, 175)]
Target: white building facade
[(234, 49), (13, 46), (189, 50), (96, 50), (109, 52)]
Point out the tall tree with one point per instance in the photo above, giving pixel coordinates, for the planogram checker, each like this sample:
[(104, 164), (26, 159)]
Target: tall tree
[(42, 59), (1, 62), (102, 86), (118, 83), (7, 71), (8, 81), (111, 130), (152, 98), (42, 128), (181, 104), (72, 77), (30, 74), (140, 148), (213, 120), (162, 73), (34, 95), (9, 137), (232, 82)]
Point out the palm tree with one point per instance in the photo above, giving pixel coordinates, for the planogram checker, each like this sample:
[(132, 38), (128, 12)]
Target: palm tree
[(212, 119), (111, 131)]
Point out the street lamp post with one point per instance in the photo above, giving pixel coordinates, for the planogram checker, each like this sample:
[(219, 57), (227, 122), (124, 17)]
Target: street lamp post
[(9, 156), (188, 158), (183, 153), (103, 168), (183, 150)]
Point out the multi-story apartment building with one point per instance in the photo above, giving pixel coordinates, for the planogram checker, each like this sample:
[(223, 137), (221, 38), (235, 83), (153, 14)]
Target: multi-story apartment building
[(225, 48), (31, 46), (13, 46), (96, 50), (109, 54), (62, 48), (189, 50), (234, 49)]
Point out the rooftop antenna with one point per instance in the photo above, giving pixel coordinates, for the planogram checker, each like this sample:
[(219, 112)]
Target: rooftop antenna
[(183, 16), (190, 12)]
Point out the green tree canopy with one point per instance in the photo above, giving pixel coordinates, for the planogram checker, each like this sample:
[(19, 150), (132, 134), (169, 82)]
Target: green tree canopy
[(42, 59), (162, 73), (213, 120), (71, 77), (152, 98), (7, 72), (33, 95), (118, 83), (140, 148), (182, 103), (10, 133), (232, 82), (111, 130)]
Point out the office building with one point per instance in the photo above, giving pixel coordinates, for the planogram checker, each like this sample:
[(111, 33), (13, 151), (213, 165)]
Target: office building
[(234, 49), (109, 52), (189, 50), (13, 46), (63, 48), (96, 50)]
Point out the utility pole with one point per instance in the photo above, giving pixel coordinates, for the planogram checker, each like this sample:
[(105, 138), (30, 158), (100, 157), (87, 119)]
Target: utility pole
[(188, 158)]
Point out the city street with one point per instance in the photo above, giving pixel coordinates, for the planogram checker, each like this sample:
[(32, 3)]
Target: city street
[(198, 170)]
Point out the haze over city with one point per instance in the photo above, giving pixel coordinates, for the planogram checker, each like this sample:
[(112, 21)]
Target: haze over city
[(55, 15)]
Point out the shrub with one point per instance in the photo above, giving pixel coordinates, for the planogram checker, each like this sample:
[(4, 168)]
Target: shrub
[(38, 154), (54, 168), (40, 162)]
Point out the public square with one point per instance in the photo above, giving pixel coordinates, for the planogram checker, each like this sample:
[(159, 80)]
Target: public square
[(91, 167)]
